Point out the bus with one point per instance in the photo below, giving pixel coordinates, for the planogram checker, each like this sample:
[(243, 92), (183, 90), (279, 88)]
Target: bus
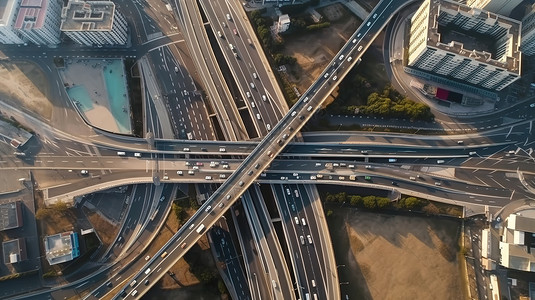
[(200, 228)]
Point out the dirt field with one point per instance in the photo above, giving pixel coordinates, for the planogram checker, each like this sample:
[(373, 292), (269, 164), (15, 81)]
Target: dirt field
[(312, 57), (24, 84), (396, 257)]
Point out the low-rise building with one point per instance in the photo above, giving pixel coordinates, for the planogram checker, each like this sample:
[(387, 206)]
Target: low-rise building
[(14, 251), (11, 215), (93, 23), (61, 247)]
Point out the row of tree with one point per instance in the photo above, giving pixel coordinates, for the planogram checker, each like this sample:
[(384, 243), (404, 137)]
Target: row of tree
[(375, 202)]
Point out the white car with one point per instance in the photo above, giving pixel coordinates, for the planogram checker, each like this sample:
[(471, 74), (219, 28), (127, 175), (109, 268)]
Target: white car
[(179, 172), (335, 77), (296, 219), (248, 94), (532, 105), (252, 104), (255, 76), (264, 98)]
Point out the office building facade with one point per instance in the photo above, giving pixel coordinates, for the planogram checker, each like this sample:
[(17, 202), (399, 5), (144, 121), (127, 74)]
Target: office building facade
[(8, 12), (93, 23), (500, 7), (466, 45), (528, 33), (38, 21)]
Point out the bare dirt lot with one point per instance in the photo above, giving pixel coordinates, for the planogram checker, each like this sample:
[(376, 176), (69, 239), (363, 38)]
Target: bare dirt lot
[(312, 57), (396, 257), (24, 84)]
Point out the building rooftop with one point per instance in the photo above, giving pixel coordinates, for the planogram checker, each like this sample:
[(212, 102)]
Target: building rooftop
[(521, 223), (480, 47), (14, 251), (61, 247), (87, 16), (32, 14), (10, 215)]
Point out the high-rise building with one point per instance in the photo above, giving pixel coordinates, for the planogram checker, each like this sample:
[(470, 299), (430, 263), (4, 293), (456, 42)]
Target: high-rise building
[(464, 45), (501, 7), (94, 23), (528, 33), (8, 11), (38, 21)]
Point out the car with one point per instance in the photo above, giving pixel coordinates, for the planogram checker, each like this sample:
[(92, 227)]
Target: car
[(183, 245), (358, 35), (179, 173), (360, 48), (162, 198), (200, 164), (226, 167), (223, 24), (252, 104), (394, 183), (166, 177), (292, 206), (133, 283), (228, 197), (335, 77), (269, 153), (268, 127), (532, 105), (257, 166), (147, 257), (221, 205), (137, 154), (280, 142), (221, 149), (438, 183), (312, 177), (296, 192), (296, 219), (163, 254), (440, 161), (235, 31), (185, 149), (392, 160), (255, 76), (326, 75), (251, 85), (176, 69), (293, 113), (349, 59), (222, 176), (219, 34), (187, 163), (460, 142), (240, 183), (295, 174), (207, 177), (228, 17), (248, 94), (134, 293), (147, 271), (258, 117), (84, 172), (264, 98), (412, 178), (301, 117), (192, 226), (284, 178), (368, 167), (284, 136), (309, 108), (341, 57), (121, 153), (191, 172), (290, 128), (472, 153), (195, 167), (367, 178), (368, 24), (250, 42), (302, 240), (250, 172), (208, 208), (288, 192), (309, 238), (374, 16), (147, 282), (355, 40), (303, 222)]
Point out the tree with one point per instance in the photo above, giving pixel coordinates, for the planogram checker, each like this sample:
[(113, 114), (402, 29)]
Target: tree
[(382, 202), (356, 200), (411, 203), (369, 202), (222, 287), (43, 213), (329, 213), (330, 198), (341, 197)]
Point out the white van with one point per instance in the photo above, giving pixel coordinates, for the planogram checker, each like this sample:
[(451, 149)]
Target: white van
[(200, 228), (440, 161), (121, 153), (137, 154)]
